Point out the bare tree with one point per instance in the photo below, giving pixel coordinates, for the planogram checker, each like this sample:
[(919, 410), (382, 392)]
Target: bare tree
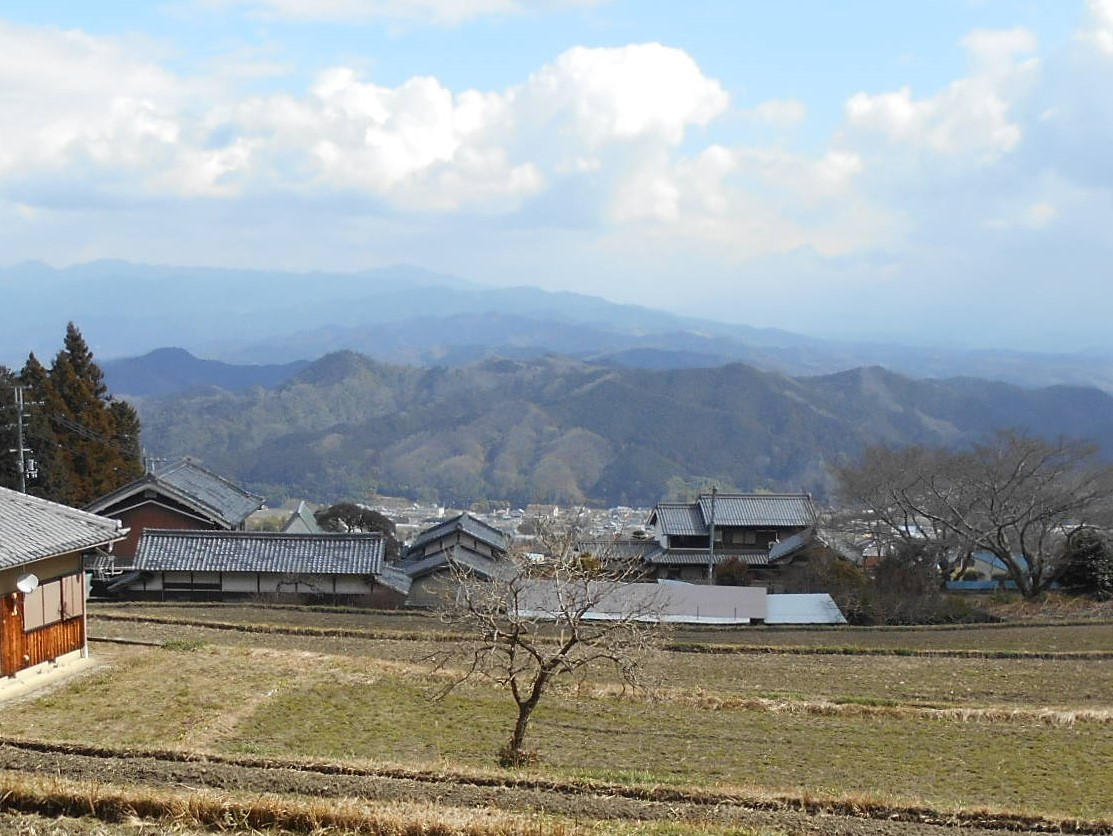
[(1014, 496), (552, 620)]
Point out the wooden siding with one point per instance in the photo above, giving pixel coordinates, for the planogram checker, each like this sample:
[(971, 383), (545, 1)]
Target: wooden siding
[(48, 643), (11, 634), (20, 650), (28, 641)]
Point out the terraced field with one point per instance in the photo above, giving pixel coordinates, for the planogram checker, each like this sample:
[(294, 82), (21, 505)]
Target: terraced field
[(245, 718)]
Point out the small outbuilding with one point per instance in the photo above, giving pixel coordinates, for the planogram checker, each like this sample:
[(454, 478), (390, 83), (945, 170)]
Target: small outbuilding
[(42, 579)]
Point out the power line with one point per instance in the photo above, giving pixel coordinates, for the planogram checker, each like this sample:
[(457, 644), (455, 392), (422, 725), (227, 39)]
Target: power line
[(83, 431), (26, 465)]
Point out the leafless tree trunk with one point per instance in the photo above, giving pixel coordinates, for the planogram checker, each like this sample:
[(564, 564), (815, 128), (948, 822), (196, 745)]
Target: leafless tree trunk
[(552, 620)]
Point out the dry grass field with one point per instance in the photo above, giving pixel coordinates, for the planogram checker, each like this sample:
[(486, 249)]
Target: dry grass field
[(788, 731)]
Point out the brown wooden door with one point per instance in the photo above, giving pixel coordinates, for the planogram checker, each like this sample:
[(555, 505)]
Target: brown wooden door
[(11, 633)]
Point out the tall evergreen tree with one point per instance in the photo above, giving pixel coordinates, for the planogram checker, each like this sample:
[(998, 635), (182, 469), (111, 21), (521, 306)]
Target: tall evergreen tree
[(126, 435), (54, 480), (87, 442), (77, 354)]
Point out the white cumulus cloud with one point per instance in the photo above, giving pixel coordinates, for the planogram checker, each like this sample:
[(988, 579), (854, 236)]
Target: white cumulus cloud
[(105, 112), (745, 203), (87, 105), (1098, 28), (597, 96), (423, 146), (970, 115)]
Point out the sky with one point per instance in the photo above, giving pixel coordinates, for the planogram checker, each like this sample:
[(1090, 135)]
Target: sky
[(937, 173)]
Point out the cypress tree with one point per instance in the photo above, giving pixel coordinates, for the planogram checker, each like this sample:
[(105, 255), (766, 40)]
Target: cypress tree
[(54, 479), (87, 442)]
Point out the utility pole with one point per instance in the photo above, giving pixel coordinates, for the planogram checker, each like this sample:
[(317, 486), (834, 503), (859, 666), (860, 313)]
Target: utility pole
[(151, 462), (25, 465), (711, 540)]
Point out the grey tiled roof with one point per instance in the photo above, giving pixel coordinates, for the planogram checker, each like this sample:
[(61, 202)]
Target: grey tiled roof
[(231, 501), (765, 510), (33, 528), (302, 521), (480, 564), (771, 509), (791, 545), (612, 549), (679, 520), (466, 523), (395, 578), (698, 557), (259, 551), (186, 481)]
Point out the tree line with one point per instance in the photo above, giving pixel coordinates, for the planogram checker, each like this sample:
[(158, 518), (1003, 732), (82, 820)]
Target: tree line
[(1042, 511), (79, 442)]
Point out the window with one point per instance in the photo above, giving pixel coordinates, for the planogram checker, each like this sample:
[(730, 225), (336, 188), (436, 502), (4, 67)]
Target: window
[(53, 601)]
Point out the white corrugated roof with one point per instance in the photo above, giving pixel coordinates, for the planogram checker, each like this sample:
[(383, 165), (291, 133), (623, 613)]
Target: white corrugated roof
[(676, 602), (813, 608), (668, 601)]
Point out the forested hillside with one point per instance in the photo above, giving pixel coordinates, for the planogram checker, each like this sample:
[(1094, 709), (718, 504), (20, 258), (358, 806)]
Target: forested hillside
[(556, 429)]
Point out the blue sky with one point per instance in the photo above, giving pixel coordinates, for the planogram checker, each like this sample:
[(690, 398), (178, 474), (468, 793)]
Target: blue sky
[(933, 172)]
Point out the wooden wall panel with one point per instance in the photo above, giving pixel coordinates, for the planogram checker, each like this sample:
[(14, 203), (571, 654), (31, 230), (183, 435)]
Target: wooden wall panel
[(11, 634), (58, 639)]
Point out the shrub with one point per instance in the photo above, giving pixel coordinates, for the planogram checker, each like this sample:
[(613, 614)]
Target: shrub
[(732, 572)]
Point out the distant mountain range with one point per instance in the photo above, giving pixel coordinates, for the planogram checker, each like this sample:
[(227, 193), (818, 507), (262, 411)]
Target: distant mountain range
[(167, 370), (562, 429), (409, 316)]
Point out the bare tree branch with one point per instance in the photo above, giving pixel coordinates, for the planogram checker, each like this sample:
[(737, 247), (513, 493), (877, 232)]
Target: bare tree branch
[(548, 621), (1015, 496)]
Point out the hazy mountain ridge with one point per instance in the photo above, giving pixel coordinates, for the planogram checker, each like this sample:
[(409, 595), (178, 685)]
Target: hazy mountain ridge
[(406, 315), (559, 429), (167, 370)]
